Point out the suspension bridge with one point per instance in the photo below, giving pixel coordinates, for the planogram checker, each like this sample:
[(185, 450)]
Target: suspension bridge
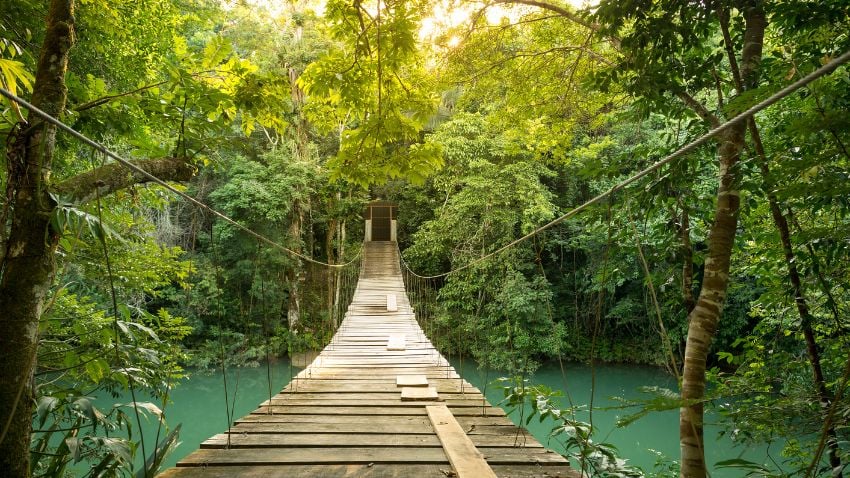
[(379, 400)]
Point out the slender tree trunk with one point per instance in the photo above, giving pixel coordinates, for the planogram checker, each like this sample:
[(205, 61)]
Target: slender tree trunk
[(781, 223), (333, 274), (687, 251), (296, 277), (704, 318), (28, 268), (812, 349), (340, 277)]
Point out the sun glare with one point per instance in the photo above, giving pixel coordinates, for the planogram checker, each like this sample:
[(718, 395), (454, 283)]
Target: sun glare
[(448, 14)]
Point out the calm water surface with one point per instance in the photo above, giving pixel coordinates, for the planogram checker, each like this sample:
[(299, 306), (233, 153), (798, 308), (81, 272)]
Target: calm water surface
[(642, 441), (198, 403)]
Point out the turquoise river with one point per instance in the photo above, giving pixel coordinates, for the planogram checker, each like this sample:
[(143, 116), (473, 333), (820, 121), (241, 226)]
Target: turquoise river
[(198, 404)]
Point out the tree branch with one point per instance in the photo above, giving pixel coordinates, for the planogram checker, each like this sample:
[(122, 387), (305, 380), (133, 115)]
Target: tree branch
[(113, 177), (698, 108), (108, 98), (571, 16), (554, 8)]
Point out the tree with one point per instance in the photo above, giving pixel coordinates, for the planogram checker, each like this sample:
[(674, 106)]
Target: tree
[(373, 91), (31, 234)]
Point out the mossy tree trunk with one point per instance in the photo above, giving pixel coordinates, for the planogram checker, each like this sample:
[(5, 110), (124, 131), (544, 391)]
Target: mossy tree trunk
[(27, 268), (27, 258), (704, 318)]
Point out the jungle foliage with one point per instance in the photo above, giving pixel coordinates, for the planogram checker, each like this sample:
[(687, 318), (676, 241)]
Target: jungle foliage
[(483, 129)]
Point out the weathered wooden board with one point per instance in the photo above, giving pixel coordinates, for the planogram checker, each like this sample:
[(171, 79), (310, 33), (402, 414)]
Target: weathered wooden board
[(376, 411), (283, 398), (246, 438), (344, 455), (359, 386), (411, 381), (425, 394), (278, 440), (369, 470), (468, 422), (464, 456), (413, 398), (397, 342)]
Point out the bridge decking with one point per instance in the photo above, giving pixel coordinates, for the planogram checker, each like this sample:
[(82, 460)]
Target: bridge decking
[(344, 416)]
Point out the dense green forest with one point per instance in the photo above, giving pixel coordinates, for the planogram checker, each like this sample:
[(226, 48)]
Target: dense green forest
[(484, 121)]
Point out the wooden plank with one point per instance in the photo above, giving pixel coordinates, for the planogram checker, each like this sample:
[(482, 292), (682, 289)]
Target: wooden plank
[(397, 342), (379, 470), (277, 440), (392, 303), (465, 458), (357, 455), (468, 422), (359, 386), (381, 428), (411, 381), (248, 438), (282, 398), (311, 456), (411, 399), (420, 394), (376, 411)]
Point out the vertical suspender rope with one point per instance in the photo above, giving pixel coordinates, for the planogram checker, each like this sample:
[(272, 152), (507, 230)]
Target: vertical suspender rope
[(219, 315), (113, 295), (550, 315), (266, 329)]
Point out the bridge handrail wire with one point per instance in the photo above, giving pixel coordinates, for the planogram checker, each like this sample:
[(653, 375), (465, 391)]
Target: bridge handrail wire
[(769, 101), (106, 151)]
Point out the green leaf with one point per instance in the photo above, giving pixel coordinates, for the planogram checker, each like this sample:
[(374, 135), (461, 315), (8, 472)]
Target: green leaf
[(97, 369), (154, 460), (73, 444), (216, 50)]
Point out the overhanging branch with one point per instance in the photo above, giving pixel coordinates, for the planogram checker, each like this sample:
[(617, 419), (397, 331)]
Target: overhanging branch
[(113, 177)]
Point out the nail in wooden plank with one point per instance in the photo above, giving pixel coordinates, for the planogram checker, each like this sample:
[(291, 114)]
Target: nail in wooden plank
[(467, 461)]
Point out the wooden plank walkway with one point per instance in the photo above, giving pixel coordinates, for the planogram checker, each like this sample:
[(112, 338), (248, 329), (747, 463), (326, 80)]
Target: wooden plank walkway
[(359, 410)]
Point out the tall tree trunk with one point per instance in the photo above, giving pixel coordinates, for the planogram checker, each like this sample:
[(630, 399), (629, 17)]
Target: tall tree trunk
[(812, 349), (28, 268), (293, 313), (687, 251), (705, 316), (781, 223), (340, 276), (333, 274)]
